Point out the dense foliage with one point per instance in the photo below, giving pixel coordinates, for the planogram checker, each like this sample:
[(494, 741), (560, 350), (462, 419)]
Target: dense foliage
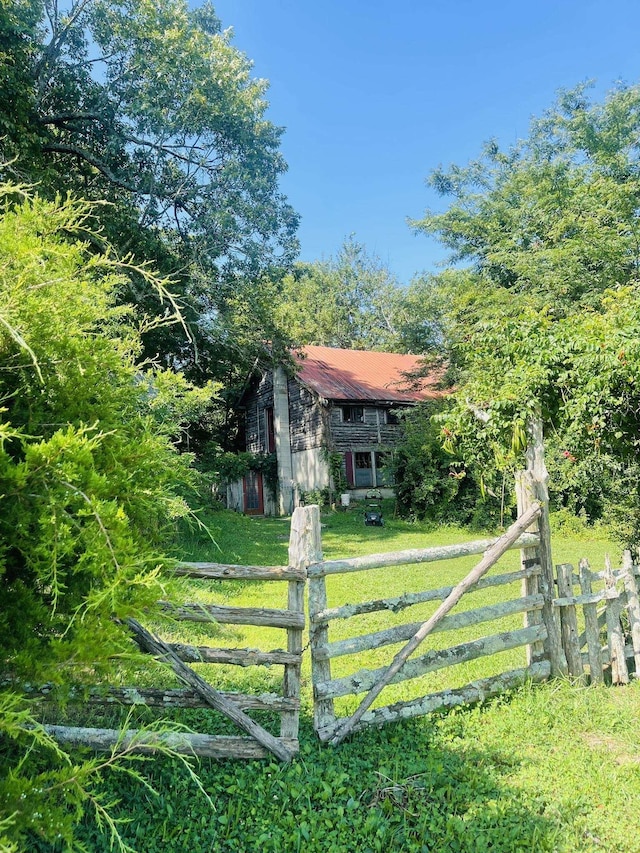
[(432, 484), (542, 310), (91, 483), (149, 106), (353, 301)]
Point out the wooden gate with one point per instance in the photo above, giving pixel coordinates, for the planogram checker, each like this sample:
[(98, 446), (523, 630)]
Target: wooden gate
[(326, 689), (256, 742)]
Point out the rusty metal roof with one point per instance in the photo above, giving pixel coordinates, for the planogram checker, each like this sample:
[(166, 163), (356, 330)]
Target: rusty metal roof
[(359, 375)]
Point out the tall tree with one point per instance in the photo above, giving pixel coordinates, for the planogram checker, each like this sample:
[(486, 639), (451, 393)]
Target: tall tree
[(544, 316), (354, 301), (149, 106)]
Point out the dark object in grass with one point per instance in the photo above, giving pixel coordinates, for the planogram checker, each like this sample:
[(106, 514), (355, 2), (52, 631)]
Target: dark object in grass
[(373, 508)]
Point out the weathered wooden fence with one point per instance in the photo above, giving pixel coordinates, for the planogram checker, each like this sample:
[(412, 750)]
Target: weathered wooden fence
[(601, 645), (551, 634), (323, 650), (257, 742)]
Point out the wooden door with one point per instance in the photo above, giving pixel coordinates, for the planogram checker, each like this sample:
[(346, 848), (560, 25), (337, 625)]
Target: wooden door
[(253, 494)]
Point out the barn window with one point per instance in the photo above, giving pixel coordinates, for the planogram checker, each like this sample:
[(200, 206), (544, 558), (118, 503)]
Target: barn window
[(363, 470), (366, 469), (271, 435), (353, 414), (383, 475)]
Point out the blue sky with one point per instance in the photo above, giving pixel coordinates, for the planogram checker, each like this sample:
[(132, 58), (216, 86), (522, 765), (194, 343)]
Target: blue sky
[(375, 95)]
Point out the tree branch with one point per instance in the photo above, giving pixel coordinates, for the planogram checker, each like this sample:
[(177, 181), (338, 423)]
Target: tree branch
[(66, 148)]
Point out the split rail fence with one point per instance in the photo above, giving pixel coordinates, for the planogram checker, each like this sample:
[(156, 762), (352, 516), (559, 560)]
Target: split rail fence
[(610, 609), (256, 742), (606, 607)]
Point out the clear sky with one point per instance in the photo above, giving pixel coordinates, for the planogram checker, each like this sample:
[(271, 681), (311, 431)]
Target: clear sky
[(375, 95)]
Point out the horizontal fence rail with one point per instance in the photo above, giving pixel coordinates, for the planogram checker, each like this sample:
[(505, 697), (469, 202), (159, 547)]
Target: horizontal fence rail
[(168, 697), (413, 555), (199, 693), (390, 636), (365, 680), (182, 743), (409, 599), (431, 661), (477, 691), (234, 657), (261, 616), (222, 571)]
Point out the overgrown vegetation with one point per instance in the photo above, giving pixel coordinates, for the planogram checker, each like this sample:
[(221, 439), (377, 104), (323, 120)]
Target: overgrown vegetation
[(151, 107), (541, 312), (546, 770), (433, 483), (226, 467), (91, 485)]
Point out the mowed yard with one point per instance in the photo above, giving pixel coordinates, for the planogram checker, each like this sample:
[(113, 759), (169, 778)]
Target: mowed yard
[(553, 767)]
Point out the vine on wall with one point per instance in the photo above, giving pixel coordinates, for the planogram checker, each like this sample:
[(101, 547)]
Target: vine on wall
[(230, 467)]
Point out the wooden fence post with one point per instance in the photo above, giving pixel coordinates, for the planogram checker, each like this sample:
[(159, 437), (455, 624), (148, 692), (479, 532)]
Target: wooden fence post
[(569, 621), (591, 627), (529, 558), (538, 470), (615, 636), (323, 713), (633, 606), (304, 546)]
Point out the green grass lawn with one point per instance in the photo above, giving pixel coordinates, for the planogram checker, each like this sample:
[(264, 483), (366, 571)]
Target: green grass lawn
[(264, 541), (553, 767)]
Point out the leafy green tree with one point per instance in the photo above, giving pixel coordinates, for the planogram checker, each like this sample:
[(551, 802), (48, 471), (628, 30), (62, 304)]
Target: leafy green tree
[(150, 107), (91, 486), (554, 217), (353, 301), (413, 319), (544, 316)]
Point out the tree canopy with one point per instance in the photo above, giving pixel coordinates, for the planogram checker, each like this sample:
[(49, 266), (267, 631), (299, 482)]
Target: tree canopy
[(149, 107), (542, 305), (352, 300)]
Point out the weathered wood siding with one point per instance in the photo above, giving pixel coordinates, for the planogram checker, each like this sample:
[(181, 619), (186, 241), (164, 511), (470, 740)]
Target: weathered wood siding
[(313, 424), (306, 418), (256, 401), (371, 434)]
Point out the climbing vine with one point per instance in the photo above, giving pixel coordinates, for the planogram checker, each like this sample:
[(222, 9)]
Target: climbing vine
[(231, 467)]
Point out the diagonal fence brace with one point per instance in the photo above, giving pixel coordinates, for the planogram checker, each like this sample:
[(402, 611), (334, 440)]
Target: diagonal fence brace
[(155, 646), (490, 558)]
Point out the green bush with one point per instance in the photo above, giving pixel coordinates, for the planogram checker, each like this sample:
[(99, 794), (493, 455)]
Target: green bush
[(431, 483), (91, 484)]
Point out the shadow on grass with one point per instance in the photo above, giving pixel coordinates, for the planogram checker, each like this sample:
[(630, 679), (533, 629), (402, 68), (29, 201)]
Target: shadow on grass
[(414, 786)]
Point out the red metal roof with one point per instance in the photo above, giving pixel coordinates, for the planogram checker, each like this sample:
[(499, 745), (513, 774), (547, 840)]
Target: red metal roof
[(347, 374)]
